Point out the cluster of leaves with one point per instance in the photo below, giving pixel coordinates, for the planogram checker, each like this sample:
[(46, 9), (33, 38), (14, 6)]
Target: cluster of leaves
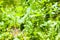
[(29, 20)]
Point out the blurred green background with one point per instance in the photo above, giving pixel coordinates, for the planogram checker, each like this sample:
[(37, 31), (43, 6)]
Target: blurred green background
[(29, 19)]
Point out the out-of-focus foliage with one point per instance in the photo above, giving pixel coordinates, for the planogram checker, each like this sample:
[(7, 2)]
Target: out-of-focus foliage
[(29, 19)]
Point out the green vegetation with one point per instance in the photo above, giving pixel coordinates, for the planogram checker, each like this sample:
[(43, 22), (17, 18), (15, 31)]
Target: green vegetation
[(29, 20)]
